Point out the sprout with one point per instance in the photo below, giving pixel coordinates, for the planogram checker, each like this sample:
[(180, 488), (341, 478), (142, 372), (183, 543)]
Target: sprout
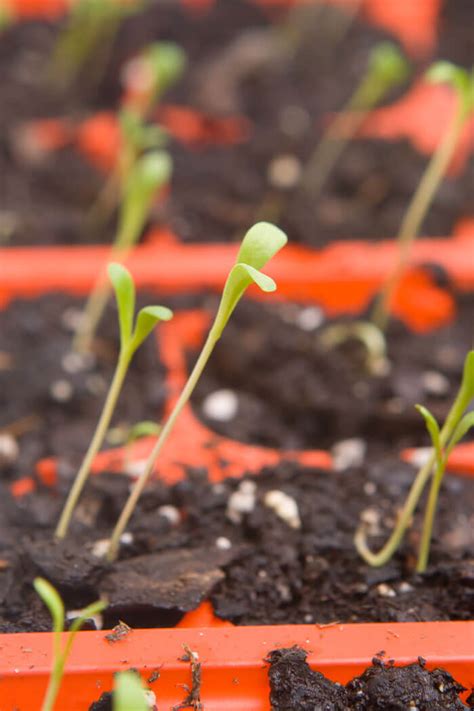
[(462, 81), (55, 605), (132, 336), (91, 30), (156, 69), (387, 68), (259, 245), (129, 694), (456, 425), (149, 174)]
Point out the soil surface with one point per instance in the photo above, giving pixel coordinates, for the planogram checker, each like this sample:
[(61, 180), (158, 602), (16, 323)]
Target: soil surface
[(50, 399), (243, 61), (256, 567), (288, 390), (382, 687)]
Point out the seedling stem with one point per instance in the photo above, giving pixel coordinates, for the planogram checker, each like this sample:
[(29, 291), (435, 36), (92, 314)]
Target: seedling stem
[(130, 339), (449, 435), (259, 245), (387, 68), (463, 82)]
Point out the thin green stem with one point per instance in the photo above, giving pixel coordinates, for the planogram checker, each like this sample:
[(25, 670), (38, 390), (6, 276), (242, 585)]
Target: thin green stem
[(55, 677), (384, 555), (430, 512), (339, 134), (416, 213), (150, 464), (96, 442)]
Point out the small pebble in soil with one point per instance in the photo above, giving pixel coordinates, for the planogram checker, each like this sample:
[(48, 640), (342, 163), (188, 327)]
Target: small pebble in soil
[(223, 543), (170, 513), (294, 120), (71, 319), (241, 501), (435, 383), (100, 548), (284, 172), (284, 506), (371, 518), (385, 590), (348, 453), (73, 363), (221, 405), (9, 450), (135, 468), (310, 318), (370, 488), (61, 390)]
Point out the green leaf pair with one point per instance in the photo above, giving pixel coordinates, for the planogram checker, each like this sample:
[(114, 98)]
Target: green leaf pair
[(259, 245), (132, 335), (462, 80)]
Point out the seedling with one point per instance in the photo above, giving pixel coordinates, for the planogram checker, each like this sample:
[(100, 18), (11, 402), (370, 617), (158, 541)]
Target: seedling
[(462, 81), (156, 69), (129, 694), (132, 335), (53, 602), (150, 173), (147, 77), (91, 30), (387, 68), (456, 425), (259, 245)]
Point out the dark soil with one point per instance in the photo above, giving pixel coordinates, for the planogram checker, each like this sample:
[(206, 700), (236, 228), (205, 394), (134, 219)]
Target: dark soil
[(293, 393), (258, 570), (52, 401), (238, 64), (382, 687)]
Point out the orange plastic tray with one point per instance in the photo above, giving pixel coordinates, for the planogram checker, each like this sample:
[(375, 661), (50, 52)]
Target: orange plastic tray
[(234, 674)]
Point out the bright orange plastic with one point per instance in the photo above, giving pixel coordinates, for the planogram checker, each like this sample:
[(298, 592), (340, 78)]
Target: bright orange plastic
[(342, 277), (234, 675), (421, 116), (414, 23)]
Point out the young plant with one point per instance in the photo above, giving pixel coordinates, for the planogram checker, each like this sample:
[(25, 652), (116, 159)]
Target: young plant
[(387, 68), (147, 77), (132, 335), (129, 694), (456, 425), (91, 30), (150, 173), (462, 81), (259, 245), (55, 605), (151, 73)]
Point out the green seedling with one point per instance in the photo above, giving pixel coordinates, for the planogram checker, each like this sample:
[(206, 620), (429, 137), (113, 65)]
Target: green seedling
[(150, 173), (456, 425), (53, 602), (387, 68), (132, 335), (90, 33), (368, 335), (129, 694), (462, 81), (157, 68), (259, 245)]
